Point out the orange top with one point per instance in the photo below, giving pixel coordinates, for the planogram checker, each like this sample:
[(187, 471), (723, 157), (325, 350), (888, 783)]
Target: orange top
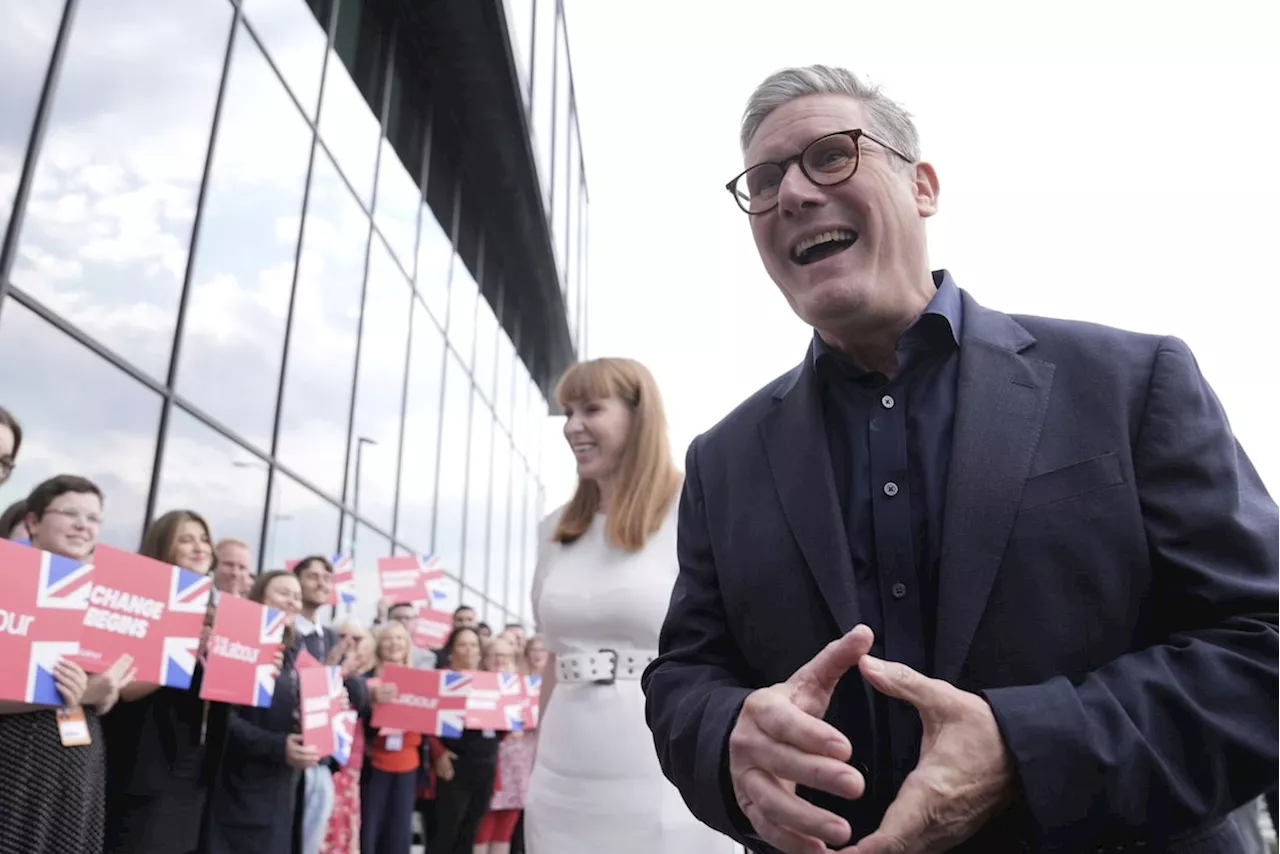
[(407, 758)]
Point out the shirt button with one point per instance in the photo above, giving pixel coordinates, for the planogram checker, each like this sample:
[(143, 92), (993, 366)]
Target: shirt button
[(891, 489), (887, 401), (899, 590)]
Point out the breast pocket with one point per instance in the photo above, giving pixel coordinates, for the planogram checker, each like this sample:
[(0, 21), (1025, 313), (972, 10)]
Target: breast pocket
[(1072, 481)]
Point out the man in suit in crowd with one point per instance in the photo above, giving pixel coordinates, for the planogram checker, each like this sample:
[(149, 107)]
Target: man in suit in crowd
[(959, 580)]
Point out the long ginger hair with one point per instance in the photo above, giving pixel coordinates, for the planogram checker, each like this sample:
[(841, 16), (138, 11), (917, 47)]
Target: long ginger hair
[(648, 480)]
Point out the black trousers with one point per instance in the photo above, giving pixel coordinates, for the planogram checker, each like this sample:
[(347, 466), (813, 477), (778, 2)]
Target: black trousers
[(386, 811), (460, 804)]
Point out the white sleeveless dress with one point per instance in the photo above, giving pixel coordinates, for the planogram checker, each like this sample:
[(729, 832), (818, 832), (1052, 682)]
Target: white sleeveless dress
[(596, 786)]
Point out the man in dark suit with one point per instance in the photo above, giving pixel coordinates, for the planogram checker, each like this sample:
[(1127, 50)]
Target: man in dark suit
[(959, 580)]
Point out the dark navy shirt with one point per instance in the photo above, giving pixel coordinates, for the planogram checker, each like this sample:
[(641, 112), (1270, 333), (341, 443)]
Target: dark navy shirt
[(890, 443)]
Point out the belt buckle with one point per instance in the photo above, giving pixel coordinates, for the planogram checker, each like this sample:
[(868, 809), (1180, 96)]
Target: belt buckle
[(613, 677)]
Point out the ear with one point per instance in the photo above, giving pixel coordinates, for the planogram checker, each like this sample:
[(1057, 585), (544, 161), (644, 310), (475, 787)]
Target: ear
[(31, 522), (925, 186)]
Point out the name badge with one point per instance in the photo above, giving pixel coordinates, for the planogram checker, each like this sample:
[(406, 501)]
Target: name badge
[(395, 741), (488, 733), (73, 728)]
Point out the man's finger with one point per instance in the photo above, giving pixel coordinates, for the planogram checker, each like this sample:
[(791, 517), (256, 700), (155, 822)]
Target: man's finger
[(896, 680), (781, 720), (805, 769), (825, 669), (903, 828), (774, 808)]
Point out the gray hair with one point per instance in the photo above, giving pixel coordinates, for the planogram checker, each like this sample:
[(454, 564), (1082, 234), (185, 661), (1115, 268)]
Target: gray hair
[(888, 119)]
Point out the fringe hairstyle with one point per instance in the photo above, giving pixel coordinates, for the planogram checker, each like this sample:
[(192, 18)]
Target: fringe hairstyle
[(160, 540), (648, 479)]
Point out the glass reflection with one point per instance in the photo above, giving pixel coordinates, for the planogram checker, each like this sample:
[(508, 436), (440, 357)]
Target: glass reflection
[(538, 417), (326, 317), (27, 33), (379, 390), (572, 197), (365, 546), (474, 564), (515, 594), (520, 408), (495, 584), (294, 37), (206, 472), (421, 432), (486, 345), (399, 201), (353, 80), (503, 390), (435, 257), (544, 54), (56, 387), (229, 362), (463, 295), (451, 494), (299, 523), (105, 237), (533, 516)]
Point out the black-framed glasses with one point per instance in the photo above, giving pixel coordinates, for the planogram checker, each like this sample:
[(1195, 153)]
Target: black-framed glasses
[(827, 161)]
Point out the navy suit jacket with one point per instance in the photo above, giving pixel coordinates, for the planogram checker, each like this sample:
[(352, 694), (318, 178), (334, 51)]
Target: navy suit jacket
[(1108, 582)]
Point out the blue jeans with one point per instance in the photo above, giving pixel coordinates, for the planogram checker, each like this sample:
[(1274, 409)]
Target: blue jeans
[(317, 804)]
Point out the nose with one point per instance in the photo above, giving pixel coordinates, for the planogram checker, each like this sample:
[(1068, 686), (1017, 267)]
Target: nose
[(797, 192)]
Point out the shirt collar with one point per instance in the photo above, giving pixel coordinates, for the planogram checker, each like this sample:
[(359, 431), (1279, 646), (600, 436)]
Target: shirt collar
[(946, 306), (304, 627)]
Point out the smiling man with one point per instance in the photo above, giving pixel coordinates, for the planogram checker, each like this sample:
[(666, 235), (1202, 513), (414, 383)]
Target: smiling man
[(959, 580)]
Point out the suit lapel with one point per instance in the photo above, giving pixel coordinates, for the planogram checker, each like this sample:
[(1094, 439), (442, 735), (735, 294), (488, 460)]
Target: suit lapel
[(795, 440), (1001, 398)]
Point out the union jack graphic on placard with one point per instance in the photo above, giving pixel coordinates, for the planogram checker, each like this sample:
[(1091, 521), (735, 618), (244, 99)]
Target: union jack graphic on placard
[(427, 701), (270, 636), (532, 696), (183, 622), (511, 692), (189, 593), (344, 581), (344, 734), (484, 707), (42, 602)]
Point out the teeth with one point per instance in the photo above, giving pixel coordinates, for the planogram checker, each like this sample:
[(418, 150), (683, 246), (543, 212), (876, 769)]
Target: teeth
[(583, 447), (825, 237)]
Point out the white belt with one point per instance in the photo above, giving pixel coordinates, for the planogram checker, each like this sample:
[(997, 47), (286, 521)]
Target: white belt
[(603, 667)]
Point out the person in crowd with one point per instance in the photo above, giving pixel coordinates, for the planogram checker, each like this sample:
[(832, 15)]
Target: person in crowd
[(52, 796), (596, 784), (13, 522), (514, 632), (391, 767), (252, 805), (158, 776), (533, 662), (343, 833), (464, 617), (315, 800), (233, 571), (10, 443), (515, 764), (464, 766), (485, 632), (406, 614), (959, 580)]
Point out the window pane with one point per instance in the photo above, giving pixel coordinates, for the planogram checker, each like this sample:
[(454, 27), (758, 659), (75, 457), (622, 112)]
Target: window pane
[(365, 546), (515, 594), (560, 172), (478, 486), (537, 427), (56, 388), (435, 255), (204, 471), (300, 523), (398, 203), (503, 391), (295, 41), (27, 32), (322, 350), (519, 15), (486, 348), (452, 492), (496, 579), (105, 238), (544, 47), (463, 295), (380, 390), (229, 362), (421, 432), (353, 80), (520, 408), (532, 518)]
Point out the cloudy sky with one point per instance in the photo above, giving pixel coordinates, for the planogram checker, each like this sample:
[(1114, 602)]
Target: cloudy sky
[(1098, 160)]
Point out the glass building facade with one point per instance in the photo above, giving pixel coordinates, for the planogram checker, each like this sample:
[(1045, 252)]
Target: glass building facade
[(307, 267)]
